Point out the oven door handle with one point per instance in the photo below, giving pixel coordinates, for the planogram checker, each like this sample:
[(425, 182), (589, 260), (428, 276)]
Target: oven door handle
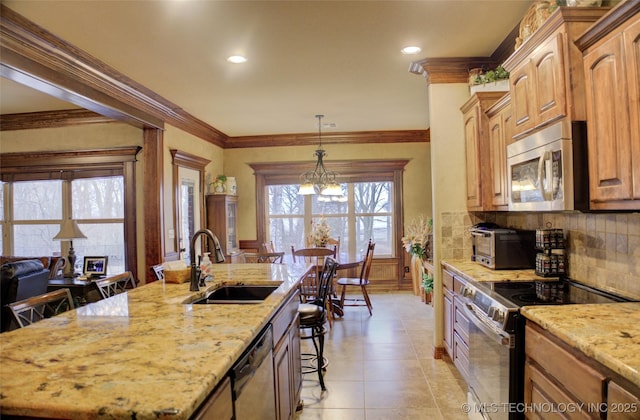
[(499, 336)]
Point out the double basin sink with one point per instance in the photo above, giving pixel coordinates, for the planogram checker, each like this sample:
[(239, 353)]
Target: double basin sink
[(236, 294)]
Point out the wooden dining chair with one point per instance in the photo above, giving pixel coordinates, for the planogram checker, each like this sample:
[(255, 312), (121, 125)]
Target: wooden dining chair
[(362, 282), (309, 285), (335, 243), (36, 308), (113, 285), (263, 257), (268, 247)]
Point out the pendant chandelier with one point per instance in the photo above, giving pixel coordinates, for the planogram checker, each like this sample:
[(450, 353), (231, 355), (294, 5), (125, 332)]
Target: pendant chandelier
[(320, 180)]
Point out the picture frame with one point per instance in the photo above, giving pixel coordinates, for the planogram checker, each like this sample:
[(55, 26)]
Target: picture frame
[(95, 266)]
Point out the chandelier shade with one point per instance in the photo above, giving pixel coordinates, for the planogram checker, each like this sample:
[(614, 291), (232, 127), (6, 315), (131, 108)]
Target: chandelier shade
[(320, 180)]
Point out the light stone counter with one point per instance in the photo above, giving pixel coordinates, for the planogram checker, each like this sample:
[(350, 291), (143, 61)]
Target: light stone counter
[(608, 333), (473, 271), (136, 353)]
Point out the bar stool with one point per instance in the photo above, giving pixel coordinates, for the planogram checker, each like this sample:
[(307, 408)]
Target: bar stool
[(313, 317)]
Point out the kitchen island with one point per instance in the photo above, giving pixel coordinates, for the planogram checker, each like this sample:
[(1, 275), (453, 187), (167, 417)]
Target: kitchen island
[(141, 354)]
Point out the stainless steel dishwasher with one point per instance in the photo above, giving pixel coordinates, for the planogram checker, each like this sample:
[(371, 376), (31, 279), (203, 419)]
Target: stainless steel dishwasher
[(253, 381)]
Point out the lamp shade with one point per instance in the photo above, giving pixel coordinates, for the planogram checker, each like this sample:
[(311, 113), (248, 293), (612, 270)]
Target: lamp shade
[(69, 231)]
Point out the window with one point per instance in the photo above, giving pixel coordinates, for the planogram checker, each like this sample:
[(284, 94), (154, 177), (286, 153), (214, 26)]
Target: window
[(39, 190), (372, 209), (367, 214), (37, 208)]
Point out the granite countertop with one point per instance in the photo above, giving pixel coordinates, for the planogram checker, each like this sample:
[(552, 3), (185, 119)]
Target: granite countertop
[(608, 333), (473, 271), (137, 353)]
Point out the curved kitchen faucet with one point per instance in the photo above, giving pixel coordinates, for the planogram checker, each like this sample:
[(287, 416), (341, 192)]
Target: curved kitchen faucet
[(195, 269)]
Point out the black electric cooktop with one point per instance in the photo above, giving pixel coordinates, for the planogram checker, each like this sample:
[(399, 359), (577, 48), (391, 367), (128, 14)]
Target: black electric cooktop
[(564, 291)]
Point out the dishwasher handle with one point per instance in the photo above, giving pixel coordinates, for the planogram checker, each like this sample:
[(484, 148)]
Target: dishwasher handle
[(251, 360)]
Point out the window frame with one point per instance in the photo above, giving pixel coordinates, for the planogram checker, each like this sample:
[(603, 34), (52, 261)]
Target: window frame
[(69, 165), (282, 173)]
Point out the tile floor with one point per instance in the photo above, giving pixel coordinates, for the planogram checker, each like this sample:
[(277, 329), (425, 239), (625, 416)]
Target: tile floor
[(382, 367)]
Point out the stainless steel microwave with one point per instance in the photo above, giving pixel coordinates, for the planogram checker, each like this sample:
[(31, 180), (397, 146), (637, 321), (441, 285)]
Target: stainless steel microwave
[(548, 171)]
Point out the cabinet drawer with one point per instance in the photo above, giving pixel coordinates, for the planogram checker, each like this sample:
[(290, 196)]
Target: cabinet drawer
[(460, 320), (284, 317), (447, 279), (461, 356), (577, 377)]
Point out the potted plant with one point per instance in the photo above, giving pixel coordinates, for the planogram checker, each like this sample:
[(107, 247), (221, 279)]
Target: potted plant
[(490, 80), (219, 185), (415, 241), (427, 286)]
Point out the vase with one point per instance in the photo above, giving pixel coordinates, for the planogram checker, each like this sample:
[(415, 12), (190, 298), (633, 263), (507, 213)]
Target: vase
[(416, 273)]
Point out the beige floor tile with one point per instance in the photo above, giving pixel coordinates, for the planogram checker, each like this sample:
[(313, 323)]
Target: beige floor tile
[(398, 394), (404, 414), (382, 367)]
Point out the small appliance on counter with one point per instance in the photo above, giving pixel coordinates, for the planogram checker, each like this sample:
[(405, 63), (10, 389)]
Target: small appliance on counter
[(500, 249)]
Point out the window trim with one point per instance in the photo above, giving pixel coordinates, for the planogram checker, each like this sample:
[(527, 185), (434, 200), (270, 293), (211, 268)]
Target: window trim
[(81, 164), (280, 173)]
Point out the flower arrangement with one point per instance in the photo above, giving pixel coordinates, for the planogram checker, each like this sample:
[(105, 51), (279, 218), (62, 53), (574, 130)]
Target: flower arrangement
[(320, 232), (219, 185), (418, 234)]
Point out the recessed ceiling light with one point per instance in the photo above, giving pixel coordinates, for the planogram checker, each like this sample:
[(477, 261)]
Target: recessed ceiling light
[(237, 59), (411, 50)]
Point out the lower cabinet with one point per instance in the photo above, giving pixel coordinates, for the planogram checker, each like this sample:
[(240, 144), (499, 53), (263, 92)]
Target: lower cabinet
[(456, 324), (287, 359), (557, 375), (219, 405)]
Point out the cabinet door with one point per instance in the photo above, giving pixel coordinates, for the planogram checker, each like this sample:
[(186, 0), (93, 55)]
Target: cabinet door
[(283, 385), (472, 161), (550, 92), (447, 307), (296, 362), (540, 392), (632, 54), (522, 98), (219, 405), (622, 403), (609, 141), (498, 152)]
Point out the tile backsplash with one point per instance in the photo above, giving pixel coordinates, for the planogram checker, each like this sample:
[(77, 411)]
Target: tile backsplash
[(603, 250)]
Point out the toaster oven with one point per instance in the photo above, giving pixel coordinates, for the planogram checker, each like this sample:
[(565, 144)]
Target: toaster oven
[(500, 249)]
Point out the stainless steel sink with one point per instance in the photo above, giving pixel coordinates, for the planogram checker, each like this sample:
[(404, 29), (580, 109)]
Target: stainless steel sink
[(241, 294)]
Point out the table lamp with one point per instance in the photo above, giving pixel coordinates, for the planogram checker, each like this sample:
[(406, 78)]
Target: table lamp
[(68, 232)]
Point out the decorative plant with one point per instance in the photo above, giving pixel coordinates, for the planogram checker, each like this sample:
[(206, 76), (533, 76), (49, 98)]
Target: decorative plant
[(499, 73), (427, 282), (219, 183), (320, 232), (418, 233)]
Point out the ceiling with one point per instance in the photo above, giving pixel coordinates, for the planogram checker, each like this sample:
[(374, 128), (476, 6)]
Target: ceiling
[(337, 58)]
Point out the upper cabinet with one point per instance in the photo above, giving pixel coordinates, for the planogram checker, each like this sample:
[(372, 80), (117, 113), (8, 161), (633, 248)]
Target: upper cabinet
[(477, 150), (612, 79), (500, 120), (547, 79)]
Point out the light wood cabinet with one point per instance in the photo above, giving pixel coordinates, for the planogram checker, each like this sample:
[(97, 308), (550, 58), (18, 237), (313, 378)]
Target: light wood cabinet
[(546, 75), (612, 73), (556, 375), (499, 137), (477, 154), (222, 219), (622, 404)]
